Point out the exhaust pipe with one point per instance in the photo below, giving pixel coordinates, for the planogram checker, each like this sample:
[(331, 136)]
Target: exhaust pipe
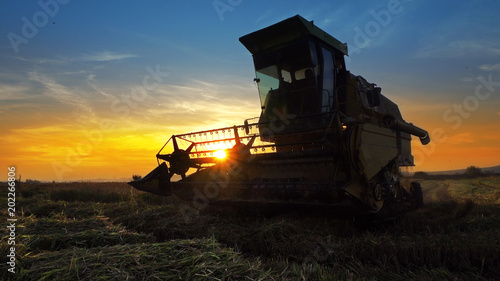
[(410, 129)]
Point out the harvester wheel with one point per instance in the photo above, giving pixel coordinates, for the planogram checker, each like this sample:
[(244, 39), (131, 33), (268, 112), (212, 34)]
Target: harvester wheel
[(179, 162), (417, 194), (379, 192)]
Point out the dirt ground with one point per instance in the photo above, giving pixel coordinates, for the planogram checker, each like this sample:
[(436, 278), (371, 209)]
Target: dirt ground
[(436, 192)]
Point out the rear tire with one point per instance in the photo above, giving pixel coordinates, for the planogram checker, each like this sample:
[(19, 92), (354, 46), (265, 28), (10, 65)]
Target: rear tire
[(417, 194)]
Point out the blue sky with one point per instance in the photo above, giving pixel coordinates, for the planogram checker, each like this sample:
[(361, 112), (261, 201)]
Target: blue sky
[(85, 58)]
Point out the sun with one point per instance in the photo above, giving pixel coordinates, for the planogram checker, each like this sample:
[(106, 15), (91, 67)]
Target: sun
[(220, 154)]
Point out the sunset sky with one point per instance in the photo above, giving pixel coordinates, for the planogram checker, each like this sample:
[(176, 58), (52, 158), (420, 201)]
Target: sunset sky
[(93, 89)]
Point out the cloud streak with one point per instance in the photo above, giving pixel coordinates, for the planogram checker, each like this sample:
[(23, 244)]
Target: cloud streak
[(13, 92), (42, 60), (106, 56), (458, 49), (62, 94), (102, 56), (461, 138), (490, 67)]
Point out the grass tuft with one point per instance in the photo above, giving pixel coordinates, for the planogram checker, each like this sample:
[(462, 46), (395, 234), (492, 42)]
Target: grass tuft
[(175, 260)]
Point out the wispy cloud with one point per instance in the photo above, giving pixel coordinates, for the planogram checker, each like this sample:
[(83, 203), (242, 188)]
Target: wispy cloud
[(63, 95), (13, 92), (106, 56), (264, 15), (43, 131), (457, 49), (94, 57), (94, 85), (460, 139), (41, 60), (490, 67), (200, 104)]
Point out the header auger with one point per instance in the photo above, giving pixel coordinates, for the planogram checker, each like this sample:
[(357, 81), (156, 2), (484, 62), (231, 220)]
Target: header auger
[(324, 136)]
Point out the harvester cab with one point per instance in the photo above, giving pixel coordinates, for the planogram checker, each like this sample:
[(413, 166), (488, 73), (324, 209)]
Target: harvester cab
[(324, 136), (297, 67)]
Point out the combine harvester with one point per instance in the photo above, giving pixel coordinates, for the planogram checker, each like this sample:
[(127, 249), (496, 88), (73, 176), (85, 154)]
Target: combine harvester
[(325, 137)]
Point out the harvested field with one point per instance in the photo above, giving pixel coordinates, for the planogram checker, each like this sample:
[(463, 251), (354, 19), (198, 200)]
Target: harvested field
[(107, 231)]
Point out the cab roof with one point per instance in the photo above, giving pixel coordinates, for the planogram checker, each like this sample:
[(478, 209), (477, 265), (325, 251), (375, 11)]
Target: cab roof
[(286, 31)]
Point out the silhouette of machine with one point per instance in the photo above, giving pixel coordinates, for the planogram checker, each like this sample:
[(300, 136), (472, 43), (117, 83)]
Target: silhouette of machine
[(324, 136)]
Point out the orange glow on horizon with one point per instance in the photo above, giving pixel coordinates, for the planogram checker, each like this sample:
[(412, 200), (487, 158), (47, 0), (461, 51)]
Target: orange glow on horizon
[(72, 156)]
